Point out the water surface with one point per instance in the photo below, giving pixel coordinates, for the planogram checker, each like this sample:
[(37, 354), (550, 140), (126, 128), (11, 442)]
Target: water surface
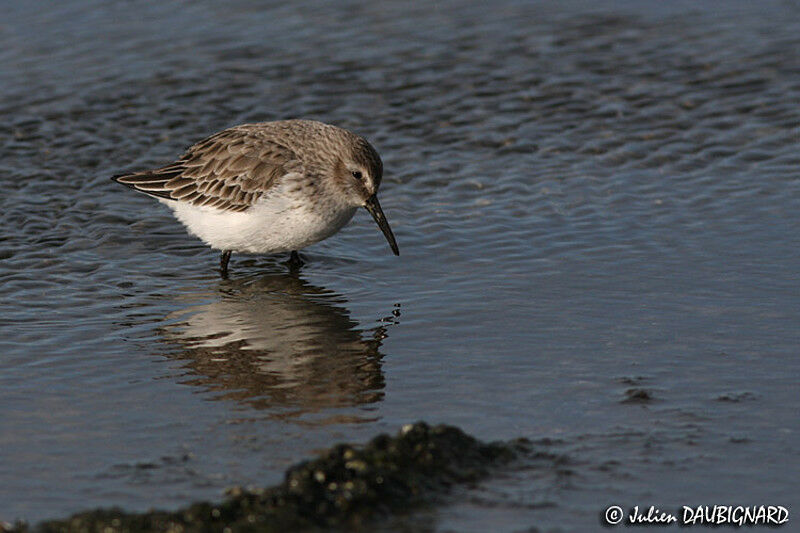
[(597, 210)]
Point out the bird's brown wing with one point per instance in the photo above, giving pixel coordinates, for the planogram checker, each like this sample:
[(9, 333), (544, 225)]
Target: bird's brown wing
[(228, 171)]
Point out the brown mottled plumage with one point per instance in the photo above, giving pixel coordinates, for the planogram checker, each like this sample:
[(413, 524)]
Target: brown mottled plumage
[(300, 178)]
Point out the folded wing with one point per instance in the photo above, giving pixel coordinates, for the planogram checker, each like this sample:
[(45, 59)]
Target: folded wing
[(228, 171)]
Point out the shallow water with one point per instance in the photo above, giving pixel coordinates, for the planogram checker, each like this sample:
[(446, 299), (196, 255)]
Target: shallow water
[(597, 211)]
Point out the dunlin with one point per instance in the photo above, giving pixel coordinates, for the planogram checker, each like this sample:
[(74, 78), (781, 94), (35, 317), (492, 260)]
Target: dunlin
[(269, 187)]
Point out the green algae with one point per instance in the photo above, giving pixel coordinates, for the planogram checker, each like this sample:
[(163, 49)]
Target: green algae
[(347, 486)]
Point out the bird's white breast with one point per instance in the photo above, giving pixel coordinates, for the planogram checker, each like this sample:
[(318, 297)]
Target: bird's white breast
[(282, 220)]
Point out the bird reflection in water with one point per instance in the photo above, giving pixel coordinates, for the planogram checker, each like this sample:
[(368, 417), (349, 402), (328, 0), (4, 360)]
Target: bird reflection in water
[(279, 344)]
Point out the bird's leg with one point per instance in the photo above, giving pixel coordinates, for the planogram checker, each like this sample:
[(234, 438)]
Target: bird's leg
[(223, 263), (294, 260)]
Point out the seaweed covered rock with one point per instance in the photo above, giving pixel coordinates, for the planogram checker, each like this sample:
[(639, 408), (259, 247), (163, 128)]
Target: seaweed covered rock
[(346, 486)]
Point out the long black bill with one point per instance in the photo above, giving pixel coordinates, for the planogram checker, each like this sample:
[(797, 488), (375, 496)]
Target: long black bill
[(375, 210)]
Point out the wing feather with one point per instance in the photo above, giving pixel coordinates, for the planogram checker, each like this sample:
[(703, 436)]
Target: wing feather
[(228, 171)]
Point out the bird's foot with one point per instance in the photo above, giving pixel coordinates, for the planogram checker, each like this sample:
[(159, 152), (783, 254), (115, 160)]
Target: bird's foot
[(294, 261)]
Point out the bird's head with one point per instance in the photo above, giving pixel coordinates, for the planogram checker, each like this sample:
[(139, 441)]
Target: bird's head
[(359, 175)]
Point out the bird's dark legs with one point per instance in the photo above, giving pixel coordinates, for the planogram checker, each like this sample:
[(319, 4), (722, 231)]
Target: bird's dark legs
[(294, 260), (223, 263)]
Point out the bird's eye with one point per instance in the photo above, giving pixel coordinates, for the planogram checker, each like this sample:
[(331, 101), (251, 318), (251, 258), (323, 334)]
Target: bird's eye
[(357, 174)]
